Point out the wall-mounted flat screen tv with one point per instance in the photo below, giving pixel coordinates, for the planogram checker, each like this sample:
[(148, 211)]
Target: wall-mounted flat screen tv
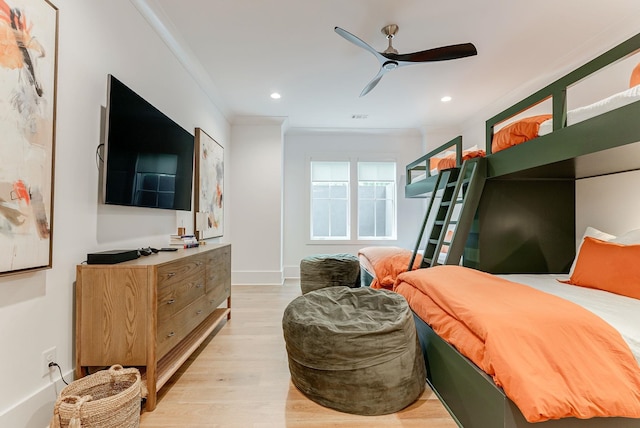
[(148, 158)]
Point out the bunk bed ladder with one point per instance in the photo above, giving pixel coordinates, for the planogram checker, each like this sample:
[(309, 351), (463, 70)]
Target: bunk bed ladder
[(450, 212), (459, 218), (439, 202)]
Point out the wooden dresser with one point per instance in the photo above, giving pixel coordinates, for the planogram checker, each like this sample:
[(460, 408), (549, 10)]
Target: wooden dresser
[(152, 312)]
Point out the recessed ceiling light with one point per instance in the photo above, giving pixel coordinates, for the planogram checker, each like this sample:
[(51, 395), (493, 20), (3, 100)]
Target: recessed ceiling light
[(275, 96), (445, 99)]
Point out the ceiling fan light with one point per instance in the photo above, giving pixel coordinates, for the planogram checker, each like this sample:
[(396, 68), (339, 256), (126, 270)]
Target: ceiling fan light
[(275, 96)]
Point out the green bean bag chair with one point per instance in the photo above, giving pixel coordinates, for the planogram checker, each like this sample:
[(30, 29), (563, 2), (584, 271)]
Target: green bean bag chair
[(354, 350), (329, 270)]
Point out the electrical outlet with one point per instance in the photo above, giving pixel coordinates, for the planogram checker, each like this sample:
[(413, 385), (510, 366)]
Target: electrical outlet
[(48, 356)]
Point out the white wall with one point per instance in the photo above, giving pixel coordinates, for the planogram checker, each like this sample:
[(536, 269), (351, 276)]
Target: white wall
[(256, 176), (36, 310), (405, 147), (608, 203)]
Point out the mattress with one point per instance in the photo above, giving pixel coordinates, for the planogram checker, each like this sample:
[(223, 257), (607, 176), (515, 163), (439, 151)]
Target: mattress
[(621, 312), (587, 112)]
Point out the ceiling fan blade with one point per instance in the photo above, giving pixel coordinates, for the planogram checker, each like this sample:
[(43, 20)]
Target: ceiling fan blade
[(437, 54), (358, 42), (372, 84)]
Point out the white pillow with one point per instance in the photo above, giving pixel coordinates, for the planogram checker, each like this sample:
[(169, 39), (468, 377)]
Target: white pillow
[(593, 233), (628, 238)]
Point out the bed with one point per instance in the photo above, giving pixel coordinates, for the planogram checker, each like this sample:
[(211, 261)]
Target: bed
[(515, 232), (564, 146), (459, 374), (380, 266), (422, 173)]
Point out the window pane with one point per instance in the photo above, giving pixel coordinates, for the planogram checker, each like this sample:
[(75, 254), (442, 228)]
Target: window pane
[(377, 171), (366, 191), (339, 190), (320, 218), (339, 219), (366, 218), (381, 218), (321, 190), (381, 191), (329, 171), (330, 200), (376, 199)]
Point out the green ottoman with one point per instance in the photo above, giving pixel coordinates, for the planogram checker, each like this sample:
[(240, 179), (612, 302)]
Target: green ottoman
[(354, 350), (329, 270)]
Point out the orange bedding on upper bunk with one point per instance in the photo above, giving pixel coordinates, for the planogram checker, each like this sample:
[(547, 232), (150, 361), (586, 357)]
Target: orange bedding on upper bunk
[(449, 161), (386, 263), (517, 132), (553, 358)]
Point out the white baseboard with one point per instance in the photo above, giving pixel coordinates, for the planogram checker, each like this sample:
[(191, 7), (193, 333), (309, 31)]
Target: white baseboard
[(257, 278), (292, 271), (36, 410)]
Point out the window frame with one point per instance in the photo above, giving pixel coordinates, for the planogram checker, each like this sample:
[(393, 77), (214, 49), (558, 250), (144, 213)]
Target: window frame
[(353, 160)]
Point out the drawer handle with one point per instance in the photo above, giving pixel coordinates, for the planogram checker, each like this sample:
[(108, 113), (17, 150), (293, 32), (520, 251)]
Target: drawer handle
[(198, 285), (171, 301), (173, 333), (171, 274), (199, 312), (198, 263)]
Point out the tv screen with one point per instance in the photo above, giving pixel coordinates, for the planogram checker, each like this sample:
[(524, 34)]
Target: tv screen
[(148, 157)]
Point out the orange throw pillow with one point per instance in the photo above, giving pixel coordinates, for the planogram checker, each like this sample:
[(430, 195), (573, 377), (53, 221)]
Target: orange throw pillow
[(635, 76), (517, 132), (608, 266)]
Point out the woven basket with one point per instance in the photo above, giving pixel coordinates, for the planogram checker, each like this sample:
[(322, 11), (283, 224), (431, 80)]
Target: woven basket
[(106, 399)]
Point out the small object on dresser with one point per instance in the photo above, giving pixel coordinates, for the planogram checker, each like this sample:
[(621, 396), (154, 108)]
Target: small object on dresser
[(147, 251), (111, 257), (183, 241)]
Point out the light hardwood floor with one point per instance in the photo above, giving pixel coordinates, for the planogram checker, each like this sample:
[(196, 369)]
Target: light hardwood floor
[(240, 378)]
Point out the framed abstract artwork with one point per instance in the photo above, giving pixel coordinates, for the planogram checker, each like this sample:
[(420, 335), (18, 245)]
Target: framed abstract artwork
[(209, 187), (28, 72)]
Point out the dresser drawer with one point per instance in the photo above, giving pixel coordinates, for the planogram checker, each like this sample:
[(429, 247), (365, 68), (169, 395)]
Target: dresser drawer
[(176, 296), (173, 273), (176, 328), (218, 269), (216, 296)]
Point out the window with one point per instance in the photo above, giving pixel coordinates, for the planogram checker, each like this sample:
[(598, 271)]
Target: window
[(376, 200), (373, 208), (329, 200)]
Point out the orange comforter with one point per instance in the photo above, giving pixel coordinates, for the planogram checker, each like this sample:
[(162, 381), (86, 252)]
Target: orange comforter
[(386, 263), (553, 358)]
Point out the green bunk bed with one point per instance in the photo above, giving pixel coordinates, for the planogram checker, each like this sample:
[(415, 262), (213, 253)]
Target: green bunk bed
[(514, 231), (421, 177)]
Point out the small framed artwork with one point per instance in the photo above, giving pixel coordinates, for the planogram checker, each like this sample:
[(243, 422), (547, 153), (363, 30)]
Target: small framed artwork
[(28, 72), (209, 187)]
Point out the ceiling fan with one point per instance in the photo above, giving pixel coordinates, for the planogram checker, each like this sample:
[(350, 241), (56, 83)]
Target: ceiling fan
[(390, 59)]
